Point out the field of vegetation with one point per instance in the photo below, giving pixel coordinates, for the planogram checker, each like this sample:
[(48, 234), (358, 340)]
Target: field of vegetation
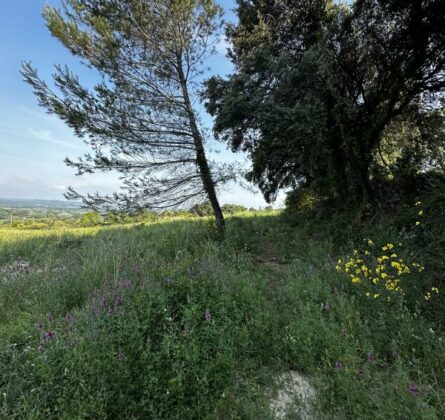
[(164, 320), (332, 308)]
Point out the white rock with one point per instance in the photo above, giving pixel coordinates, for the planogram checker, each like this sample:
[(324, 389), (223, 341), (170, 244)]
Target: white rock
[(295, 393)]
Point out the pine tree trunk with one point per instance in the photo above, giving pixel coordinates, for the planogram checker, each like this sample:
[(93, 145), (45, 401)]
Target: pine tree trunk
[(201, 158)]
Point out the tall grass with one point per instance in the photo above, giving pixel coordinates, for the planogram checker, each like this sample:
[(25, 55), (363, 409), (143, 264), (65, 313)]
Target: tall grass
[(165, 321)]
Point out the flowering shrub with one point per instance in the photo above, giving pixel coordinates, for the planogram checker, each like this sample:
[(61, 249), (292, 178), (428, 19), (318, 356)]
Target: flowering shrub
[(382, 274)]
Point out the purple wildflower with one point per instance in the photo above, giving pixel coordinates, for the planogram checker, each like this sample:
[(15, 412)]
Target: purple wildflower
[(39, 326), (50, 318), (119, 300), (371, 357), (69, 317), (110, 311), (207, 315), (48, 335), (120, 355), (413, 389), (338, 364), (128, 284)]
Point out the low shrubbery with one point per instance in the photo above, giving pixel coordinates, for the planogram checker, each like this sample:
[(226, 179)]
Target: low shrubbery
[(162, 321), (92, 219)]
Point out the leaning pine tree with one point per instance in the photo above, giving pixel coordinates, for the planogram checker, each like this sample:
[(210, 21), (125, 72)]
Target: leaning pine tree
[(140, 119)]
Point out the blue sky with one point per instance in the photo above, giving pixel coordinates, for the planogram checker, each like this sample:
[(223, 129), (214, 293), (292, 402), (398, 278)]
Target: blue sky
[(33, 144)]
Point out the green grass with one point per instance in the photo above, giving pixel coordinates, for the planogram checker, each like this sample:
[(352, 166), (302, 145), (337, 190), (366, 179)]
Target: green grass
[(165, 321)]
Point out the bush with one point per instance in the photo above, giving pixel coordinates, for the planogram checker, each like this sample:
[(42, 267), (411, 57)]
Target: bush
[(90, 219), (300, 199), (202, 209), (233, 208)]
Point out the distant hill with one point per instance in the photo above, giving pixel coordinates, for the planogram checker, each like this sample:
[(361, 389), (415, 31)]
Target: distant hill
[(19, 203)]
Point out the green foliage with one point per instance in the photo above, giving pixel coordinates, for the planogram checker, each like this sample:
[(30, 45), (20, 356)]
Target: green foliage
[(205, 209), (90, 219), (300, 199), (139, 119), (320, 95), (161, 321), (202, 209), (233, 208)]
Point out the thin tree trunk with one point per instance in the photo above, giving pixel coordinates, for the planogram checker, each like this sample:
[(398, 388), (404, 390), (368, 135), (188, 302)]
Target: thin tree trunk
[(201, 158)]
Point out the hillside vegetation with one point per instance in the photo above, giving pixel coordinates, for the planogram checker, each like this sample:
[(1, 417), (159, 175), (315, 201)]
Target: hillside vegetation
[(163, 320)]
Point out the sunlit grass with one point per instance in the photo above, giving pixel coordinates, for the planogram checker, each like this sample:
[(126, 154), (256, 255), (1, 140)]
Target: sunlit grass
[(165, 320)]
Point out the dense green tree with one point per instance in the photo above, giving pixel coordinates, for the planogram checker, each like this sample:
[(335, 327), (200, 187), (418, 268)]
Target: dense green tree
[(233, 208), (90, 219), (317, 84), (140, 120), (205, 209), (202, 209)]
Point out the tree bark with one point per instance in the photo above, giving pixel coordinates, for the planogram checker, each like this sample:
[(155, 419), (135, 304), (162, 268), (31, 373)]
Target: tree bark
[(201, 158), (360, 169)]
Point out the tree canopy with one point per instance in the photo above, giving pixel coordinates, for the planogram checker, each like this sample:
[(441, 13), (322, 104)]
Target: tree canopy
[(319, 89), (140, 119)]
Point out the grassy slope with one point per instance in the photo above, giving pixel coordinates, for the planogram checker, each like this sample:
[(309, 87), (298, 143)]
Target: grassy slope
[(165, 322)]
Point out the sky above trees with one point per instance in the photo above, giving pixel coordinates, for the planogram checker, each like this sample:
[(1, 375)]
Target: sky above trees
[(34, 144)]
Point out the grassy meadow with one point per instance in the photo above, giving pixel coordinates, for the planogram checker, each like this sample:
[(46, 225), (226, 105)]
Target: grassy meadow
[(163, 320)]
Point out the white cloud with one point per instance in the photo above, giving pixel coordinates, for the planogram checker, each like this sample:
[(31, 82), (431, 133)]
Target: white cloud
[(46, 135)]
